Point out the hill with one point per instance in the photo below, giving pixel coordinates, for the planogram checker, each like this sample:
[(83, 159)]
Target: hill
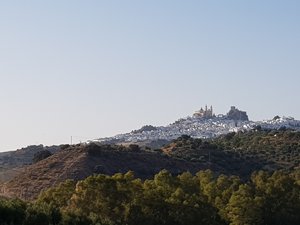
[(275, 149), (242, 153), (208, 152), (11, 162), (201, 127), (80, 161), (239, 153)]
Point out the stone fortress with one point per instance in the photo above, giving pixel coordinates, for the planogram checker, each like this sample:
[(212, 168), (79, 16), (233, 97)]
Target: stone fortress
[(236, 114)]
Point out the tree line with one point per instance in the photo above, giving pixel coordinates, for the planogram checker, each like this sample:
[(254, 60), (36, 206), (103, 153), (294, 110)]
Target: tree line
[(203, 198)]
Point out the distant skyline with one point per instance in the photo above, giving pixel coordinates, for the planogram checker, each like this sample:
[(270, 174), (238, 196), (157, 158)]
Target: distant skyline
[(98, 68)]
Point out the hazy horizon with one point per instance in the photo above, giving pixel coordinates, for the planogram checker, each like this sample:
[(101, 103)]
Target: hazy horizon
[(101, 68)]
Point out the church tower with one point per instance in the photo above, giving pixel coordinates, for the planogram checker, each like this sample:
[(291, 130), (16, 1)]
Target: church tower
[(206, 113)]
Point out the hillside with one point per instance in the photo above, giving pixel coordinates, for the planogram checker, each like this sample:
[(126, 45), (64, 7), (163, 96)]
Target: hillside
[(242, 153), (11, 162), (239, 154), (79, 161), (207, 152), (275, 149)]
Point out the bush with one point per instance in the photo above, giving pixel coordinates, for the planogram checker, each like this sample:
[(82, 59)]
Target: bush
[(41, 155)]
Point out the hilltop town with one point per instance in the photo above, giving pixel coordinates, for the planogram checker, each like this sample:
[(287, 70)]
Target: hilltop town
[(202, 124)]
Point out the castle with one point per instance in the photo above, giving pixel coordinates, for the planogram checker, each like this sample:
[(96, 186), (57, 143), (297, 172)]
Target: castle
[(236, 114), (204, 113)]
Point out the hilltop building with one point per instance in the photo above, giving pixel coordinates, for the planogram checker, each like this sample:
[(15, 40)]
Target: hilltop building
[(204, 113), (236, 114)]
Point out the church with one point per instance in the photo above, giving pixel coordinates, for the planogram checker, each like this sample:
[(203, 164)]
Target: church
[(204, 113)]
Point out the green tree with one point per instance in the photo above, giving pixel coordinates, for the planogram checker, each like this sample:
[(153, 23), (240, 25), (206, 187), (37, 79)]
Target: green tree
[(12, 211), (59, 196), (281, 197), (244, 208)]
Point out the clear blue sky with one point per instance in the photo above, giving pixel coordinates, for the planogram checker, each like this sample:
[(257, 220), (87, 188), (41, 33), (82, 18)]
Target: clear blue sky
[(97, 68)]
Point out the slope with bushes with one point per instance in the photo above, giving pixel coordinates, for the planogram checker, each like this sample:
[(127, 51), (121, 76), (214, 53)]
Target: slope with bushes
[(204, 198)]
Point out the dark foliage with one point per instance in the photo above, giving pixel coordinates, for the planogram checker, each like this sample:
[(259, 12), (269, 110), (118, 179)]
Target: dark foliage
[(274, 149), (243, 152), (204, 198), (40, 155)]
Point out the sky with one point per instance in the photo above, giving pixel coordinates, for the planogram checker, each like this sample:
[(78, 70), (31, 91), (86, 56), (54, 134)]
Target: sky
[(92, 69)]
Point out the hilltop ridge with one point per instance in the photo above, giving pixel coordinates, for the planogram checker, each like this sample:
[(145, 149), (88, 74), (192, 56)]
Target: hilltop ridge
[(203, 124)]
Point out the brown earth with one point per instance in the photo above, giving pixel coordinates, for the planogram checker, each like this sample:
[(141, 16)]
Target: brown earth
[(78, 162), (13, 162)]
